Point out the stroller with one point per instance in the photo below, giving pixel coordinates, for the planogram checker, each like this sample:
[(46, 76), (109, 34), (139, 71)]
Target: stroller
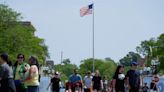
[(73, 87)]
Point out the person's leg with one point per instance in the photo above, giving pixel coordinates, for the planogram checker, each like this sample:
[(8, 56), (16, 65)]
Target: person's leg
[(18, 88), (134, 89), (86, 90), (97, 91)]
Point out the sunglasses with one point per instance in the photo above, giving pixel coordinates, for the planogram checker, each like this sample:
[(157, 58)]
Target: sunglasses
[(20, 57)]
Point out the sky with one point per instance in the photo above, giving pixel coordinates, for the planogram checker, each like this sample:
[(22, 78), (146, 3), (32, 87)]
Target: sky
[(120, 26)]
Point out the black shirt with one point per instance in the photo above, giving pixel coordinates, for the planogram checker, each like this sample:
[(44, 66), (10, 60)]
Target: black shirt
[(153, 86), (55, 83), (97, 81), (119, 85), (134, 78)]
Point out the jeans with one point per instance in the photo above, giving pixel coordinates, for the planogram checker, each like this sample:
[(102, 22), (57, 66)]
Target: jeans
[(32, 89)]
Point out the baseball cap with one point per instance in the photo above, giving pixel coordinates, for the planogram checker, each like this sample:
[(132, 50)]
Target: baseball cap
[(56, 73), (134, 63)]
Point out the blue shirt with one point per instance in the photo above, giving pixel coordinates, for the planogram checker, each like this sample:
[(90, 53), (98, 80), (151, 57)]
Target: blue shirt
[(75, 78)]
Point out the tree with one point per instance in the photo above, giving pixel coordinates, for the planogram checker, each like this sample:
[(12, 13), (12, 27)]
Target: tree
[(66, 61), (131, 56), (66, 69), (8, 17), (160, 45), (160, 50), (152, 48), (147, 48), (19, 37), (105, 67)]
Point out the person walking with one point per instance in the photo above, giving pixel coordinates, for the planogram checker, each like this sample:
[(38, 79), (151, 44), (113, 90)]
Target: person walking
[(55, 83), (6, 76), (118, 79), (105, 84), (97, 82), (76, 81), (133, 78), (87, 82)]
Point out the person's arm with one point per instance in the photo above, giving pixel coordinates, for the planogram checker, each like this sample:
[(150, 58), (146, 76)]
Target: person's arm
[(92, 81), (127, 80), (114, 84), (49, 85), (84, 82), (81, 81), (3, 72), (69, 80), (60, 84), (51, 81), (156, 87), (101, 82), (33, 71), (91, 84), (141, 81)]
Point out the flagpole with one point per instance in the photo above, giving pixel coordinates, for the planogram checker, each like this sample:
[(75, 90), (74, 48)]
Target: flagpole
[(93, 39)]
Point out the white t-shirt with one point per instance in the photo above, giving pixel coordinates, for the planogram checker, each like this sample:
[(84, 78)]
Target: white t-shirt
[(87, 81)]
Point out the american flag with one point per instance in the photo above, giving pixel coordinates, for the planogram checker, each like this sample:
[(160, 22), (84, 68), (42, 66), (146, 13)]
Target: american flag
[(86, 10)]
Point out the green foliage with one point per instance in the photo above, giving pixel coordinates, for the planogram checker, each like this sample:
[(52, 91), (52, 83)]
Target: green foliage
[(145, 46), (131, 56), (106, 67), (16, 37), (161, 72), (160, 45), (161, 63), (126, 68), (66, 61), (153, 48), (66, 69), (8, 17)]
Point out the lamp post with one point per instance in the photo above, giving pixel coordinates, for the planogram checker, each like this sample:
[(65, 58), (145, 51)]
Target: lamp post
[(61, 57)]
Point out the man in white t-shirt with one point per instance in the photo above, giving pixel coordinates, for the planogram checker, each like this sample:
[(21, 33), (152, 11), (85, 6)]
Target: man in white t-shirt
[(87, 82)]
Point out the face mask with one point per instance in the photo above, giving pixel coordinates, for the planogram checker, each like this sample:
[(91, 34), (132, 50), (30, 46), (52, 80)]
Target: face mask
[(121, 76)]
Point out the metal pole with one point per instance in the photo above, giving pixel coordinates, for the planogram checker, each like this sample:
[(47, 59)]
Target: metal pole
[(61, 57), (93, 38)]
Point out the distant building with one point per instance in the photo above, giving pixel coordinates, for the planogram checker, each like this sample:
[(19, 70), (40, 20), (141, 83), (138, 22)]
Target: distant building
[(26, 23), (50, 63)]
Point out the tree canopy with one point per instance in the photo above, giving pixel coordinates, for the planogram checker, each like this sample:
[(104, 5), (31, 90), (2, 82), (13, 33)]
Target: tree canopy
[(17, 36)]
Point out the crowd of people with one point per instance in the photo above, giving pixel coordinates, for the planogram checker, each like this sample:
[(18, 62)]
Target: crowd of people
[(129, 82), (24, 77), (20, 77)]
